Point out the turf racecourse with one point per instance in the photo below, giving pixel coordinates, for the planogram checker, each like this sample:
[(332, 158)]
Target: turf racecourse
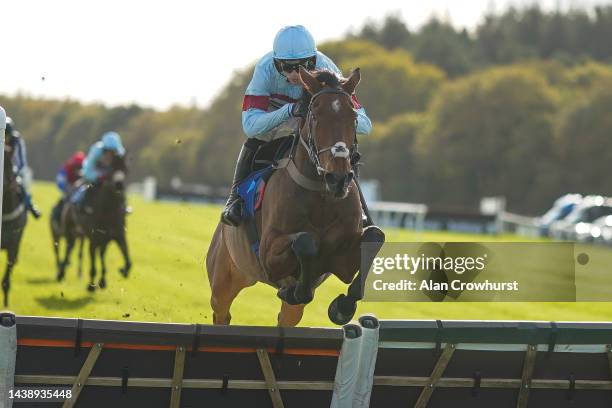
[(168, 243)]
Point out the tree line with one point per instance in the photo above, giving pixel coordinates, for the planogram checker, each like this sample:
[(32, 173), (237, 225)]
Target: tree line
[(452, 121)]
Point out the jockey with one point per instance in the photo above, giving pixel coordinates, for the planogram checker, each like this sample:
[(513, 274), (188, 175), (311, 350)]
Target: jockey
[(270, 108), (67, 181), (70, 173), (100, 156), (96, 166), (16, 144)]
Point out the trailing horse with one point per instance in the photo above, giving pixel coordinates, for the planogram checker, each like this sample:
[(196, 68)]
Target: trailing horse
[(309, 223), (106, 222), (59, 230), (14, 219)]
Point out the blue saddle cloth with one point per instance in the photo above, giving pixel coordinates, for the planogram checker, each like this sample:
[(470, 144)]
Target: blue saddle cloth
[(251, 190)]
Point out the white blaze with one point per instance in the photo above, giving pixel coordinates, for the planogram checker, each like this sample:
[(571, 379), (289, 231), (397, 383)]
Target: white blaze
[(336, 105)]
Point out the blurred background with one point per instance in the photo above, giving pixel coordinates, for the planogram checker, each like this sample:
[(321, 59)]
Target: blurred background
[(480, 108), (514, 102)]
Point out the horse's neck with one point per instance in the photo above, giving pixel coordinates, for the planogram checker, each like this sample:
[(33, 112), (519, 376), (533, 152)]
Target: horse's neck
[(108, 198), (10, 194)]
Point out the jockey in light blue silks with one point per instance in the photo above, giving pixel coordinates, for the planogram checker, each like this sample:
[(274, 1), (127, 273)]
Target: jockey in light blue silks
[(16, 144), (97, 165), (270, 108)]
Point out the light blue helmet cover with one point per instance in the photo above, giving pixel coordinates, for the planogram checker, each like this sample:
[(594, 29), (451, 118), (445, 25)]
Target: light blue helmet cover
[(112, 141), (294, 42)]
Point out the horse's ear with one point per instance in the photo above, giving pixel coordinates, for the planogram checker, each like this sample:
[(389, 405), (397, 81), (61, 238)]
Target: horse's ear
[(311, 83), (352, 81)]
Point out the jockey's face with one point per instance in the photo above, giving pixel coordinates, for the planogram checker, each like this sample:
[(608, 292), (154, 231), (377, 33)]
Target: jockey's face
[(293, 77), (107, 158)]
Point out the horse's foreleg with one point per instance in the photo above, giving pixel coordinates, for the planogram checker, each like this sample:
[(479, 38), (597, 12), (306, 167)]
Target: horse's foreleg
[(56, 239), (342, 309), (305, 249), (81, 242), (64, 264), (92, 268), (122, 242), (6, 282), (102, 282), (290, 315)]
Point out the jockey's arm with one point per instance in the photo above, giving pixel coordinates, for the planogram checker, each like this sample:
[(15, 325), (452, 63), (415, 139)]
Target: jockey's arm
[(90, 172), (21, 156), (364, 124), (61, 179), (256, 121)]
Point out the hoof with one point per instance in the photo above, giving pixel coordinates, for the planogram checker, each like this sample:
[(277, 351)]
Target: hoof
[(287, 294), (125, 271), (341, 310), (373, 234), (91, 287), (102, 283)]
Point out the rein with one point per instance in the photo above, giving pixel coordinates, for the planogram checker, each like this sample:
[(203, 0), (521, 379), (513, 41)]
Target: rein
[(339, 149)]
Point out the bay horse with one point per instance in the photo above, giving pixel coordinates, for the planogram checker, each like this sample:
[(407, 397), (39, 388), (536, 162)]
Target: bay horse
[(106, 223), (14, 219), (310, 219)]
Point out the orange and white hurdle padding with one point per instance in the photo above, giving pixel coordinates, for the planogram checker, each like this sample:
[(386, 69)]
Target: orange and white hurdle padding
[(370, 363)]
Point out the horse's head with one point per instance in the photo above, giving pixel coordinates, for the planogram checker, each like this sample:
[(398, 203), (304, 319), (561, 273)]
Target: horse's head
[(329, 129), (118, 172)]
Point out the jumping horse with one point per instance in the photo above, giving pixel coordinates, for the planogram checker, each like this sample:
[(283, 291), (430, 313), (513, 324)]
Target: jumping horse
[(310, 218)]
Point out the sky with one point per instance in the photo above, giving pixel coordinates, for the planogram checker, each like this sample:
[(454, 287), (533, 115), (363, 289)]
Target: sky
[(161, 53)]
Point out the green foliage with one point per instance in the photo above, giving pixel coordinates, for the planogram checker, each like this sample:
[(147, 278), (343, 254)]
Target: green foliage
[(389, 76), (584, 143), (450, 124), (491, 134)]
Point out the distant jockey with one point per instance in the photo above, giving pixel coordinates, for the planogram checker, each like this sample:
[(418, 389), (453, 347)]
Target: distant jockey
[(96, 166), (67, 180), (270, 109), (16, 144), (70, 172)]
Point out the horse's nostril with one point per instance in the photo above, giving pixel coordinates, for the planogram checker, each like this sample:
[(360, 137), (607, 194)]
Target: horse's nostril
[(330, 178)]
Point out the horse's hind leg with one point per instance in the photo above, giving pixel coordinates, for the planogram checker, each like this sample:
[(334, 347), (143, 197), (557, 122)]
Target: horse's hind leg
[(342, 308), (225, 281), (102, 282), (92, 269), (290, 315)]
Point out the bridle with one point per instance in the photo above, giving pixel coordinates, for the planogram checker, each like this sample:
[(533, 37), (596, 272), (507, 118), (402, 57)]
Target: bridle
[(338, 149)]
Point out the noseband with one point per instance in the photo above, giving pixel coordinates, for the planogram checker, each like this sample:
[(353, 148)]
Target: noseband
[(339, 149)]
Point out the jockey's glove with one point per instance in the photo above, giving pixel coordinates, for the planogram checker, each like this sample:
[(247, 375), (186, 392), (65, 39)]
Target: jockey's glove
[(298, 109)]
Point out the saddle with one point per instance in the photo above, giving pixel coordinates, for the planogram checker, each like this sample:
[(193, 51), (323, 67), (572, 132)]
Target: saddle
[(252, 188)]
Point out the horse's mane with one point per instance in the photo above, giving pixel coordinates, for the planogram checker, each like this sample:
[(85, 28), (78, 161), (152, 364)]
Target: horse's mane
[(326, 78)]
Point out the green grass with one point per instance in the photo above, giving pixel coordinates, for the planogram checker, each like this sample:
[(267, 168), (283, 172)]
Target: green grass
[(168, 283)]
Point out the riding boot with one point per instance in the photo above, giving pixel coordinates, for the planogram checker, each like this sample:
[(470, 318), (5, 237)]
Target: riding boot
[(232, 213)]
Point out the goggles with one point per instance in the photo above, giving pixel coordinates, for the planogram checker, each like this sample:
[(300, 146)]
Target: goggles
[(289, 66)]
